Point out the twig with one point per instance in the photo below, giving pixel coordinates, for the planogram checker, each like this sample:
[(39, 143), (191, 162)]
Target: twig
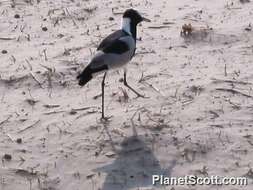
[(82, 109), (145, 52), (87, 113), (159, 27), (45, 54), (116, 13), (214, 113), (97, 96), (3, 38), (10, 137), (73, 110), (67, 11), (234, 92), (234, 105), (51, 106), (154, 88), (30, 126), (6, 120), (36, 80), (230, 81), (53, 112), (29, 64), (251, 143)]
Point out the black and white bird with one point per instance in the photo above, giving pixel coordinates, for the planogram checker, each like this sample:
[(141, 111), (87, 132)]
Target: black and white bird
[(114, 51)]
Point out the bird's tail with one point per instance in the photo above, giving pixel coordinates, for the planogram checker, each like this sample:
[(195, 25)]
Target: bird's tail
[(85, 76)]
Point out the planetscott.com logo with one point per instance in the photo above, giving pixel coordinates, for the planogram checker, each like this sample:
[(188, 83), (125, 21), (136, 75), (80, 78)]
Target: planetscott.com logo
[(195, 180)]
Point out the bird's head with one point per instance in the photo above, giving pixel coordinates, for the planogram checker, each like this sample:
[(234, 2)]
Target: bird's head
[(134, 16), (130, 20)]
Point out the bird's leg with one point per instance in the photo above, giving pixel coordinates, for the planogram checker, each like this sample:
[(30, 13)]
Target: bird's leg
[(103, 87), (127, 85)]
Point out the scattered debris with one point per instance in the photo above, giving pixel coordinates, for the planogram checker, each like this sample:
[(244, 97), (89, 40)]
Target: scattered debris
[(4, 51), (90, 176), (6, 120), (186, 29), (30, 126), (26, 173), (7, 157), (159, 27), (51, 106), (44, 28), (248, 28), (31, 102), (111, 18), (233, 91), (215, 80), (17, 16), (244, 1), (6, 38), (249, 174), (19, 140)]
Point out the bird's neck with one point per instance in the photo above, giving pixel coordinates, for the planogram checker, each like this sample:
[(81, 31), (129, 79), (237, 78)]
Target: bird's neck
[(129, 27)]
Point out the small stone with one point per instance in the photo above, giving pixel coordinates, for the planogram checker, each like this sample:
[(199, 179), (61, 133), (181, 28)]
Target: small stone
[(19, 140), (60, 35), (111, 18), (17, 16), (44, 28), (4, 51), (72, 112), (7, 157)]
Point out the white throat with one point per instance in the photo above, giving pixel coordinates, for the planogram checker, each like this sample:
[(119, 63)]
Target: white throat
[(126, 25)]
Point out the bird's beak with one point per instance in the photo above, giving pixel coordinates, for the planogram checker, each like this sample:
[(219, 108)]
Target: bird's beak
[(145, 19)]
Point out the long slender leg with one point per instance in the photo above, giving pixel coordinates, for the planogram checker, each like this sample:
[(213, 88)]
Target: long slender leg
[(127, 85), (103, 87)]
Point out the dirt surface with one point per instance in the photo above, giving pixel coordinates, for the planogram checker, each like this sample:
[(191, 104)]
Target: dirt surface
[(197, 119)]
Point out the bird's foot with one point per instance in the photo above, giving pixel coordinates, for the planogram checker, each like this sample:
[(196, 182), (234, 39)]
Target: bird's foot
[(141, 96), (104, 119)]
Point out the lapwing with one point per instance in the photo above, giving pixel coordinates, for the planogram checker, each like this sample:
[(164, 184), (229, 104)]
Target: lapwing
[(115, 51)]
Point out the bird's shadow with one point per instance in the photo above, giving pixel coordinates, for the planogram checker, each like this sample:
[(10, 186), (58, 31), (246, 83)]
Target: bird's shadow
[(134, 166)]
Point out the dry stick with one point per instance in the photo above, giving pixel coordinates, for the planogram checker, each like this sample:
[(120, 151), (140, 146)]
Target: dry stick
[(225, 70), (36, 80), (158, 27), (71, 17), (145, 52), (29, 64), (251, 143), (154, 88), (233, 104), (45, 54), (10, 137), (234, 92), (230, 81), (74, 109), (82, 109), (84, 114), (3, 96), (6, 120), (3, 38), (30, 126), (117, 13), (51, 106), (53, 112)]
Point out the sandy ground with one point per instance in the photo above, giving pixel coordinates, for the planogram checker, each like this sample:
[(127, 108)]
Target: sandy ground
[(197, 119)]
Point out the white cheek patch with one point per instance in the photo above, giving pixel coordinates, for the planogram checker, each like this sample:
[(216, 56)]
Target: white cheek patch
[(126, 25)]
